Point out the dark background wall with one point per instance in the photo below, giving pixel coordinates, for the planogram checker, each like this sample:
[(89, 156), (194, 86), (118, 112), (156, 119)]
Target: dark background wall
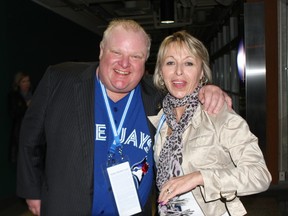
[(31, 38)]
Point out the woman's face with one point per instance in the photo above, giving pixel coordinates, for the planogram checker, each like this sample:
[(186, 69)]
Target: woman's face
[(181, 70), (25, 84)]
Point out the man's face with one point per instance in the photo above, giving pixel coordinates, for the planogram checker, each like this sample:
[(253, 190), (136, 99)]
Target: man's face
[(122, 61)]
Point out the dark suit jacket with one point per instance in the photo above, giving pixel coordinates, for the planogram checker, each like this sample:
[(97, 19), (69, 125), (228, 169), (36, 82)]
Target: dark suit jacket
[(60, 123)]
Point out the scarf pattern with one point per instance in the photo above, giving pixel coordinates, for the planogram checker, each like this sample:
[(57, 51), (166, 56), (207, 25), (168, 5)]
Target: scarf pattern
[(170, 158)]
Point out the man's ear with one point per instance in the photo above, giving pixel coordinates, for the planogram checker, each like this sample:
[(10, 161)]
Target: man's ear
[(101, 51)]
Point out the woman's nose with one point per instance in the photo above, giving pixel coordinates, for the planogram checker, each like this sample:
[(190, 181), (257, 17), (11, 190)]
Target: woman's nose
[(179, 70)]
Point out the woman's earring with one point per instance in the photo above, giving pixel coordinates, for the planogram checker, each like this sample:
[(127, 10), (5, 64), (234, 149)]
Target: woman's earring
[(203, 81), (161, 80)]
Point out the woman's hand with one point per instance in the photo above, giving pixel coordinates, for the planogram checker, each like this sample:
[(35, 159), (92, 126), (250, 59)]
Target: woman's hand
[(179, 185)]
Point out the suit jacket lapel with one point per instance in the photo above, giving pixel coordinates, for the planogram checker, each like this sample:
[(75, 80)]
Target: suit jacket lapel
[(152, 100)]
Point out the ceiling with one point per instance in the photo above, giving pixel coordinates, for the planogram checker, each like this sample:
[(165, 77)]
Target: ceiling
[(202, 18)]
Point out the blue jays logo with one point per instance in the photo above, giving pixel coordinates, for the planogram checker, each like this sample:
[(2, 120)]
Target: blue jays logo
[(139, 170)]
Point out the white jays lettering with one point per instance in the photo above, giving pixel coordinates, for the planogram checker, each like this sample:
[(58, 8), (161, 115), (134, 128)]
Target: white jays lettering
[(100, 132), (136, 138)]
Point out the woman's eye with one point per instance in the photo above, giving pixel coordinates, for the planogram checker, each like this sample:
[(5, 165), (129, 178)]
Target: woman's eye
[(169, 63), (189, 63)]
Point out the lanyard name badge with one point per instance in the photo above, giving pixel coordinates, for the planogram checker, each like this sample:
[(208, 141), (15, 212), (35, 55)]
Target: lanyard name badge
[(119, 172)]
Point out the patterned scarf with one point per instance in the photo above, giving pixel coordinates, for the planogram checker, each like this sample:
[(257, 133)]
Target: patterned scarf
[(170, 158)]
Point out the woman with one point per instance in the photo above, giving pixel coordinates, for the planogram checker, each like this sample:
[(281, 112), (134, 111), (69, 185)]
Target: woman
[(18, 101), (204, 162)]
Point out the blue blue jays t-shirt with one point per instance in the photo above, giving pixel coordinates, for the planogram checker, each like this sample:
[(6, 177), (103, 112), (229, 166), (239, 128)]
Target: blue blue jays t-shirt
[(137, 146)]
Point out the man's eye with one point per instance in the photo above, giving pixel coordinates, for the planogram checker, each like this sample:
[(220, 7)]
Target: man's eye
[(116, 52), (136, 57)]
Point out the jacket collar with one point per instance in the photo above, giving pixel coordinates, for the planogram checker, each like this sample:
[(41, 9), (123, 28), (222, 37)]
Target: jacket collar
[(195, 122)]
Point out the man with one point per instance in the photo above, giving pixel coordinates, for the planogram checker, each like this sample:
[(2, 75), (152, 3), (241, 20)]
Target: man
[(79, 112)]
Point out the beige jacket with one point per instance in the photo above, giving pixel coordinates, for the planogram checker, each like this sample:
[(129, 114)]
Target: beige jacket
[(226, 153)]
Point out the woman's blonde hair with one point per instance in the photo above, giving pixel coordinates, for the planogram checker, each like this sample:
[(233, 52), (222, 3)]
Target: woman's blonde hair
[(196, 48), (128, 25)]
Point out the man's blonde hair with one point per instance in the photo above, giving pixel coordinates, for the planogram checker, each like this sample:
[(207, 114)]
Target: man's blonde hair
[(128, 25)]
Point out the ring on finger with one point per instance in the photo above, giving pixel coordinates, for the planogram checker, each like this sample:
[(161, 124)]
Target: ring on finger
[(168, 191)]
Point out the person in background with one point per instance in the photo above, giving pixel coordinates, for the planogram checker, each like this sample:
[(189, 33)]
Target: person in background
[(204, 161), (18, 101), (93, 116)]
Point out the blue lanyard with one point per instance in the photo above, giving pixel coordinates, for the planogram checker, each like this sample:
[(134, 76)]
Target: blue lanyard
[(116, 144), (162, 120)]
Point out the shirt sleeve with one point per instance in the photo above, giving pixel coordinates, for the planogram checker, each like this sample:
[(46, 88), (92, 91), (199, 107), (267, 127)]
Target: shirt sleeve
[(249, 175)]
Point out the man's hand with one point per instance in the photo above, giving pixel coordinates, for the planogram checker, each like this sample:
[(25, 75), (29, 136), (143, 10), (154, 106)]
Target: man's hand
[(213, 98), (34, 206)]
